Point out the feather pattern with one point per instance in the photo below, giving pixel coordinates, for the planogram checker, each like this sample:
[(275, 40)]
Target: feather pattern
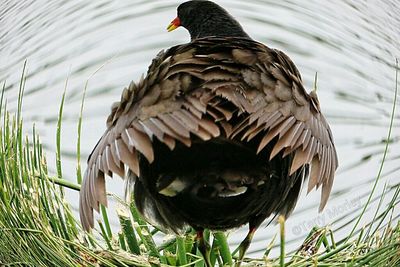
[(238, 90)]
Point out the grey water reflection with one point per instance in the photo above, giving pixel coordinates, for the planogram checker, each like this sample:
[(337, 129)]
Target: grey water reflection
[(351, 44)]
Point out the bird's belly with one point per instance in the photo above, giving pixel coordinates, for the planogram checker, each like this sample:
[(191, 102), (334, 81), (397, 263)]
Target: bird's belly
[(220, 213)]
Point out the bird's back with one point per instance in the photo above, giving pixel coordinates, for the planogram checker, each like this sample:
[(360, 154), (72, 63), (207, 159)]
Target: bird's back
[(219, 132)]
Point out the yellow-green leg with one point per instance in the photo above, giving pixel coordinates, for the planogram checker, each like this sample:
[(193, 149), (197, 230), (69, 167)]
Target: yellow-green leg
[(204, 247), (245, 245)]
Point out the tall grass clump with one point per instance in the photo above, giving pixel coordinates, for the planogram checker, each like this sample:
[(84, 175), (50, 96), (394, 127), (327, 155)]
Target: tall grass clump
[(38, 227)]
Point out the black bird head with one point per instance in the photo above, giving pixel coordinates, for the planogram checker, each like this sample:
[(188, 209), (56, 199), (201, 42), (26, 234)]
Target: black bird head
[(205, 18)]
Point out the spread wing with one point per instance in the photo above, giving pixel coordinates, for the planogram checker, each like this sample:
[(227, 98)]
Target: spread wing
[(236, 89)]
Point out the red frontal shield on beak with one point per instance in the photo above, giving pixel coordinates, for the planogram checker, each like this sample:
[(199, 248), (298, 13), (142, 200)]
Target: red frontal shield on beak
[(174, 24)]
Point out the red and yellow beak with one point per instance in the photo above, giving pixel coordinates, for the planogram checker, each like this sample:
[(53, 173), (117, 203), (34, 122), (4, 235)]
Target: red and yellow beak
[(174, 24)]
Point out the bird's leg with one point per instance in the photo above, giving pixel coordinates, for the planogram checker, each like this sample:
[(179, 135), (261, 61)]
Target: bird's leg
[(245, 244), (204, 247)]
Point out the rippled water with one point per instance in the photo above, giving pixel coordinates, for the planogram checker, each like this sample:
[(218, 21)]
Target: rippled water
[(351, 44)]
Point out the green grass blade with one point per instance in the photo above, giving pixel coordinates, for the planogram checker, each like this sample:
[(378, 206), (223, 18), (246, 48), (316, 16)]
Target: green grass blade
[(281, 220), (78, 143), (58, 133), (129, 232), (181, 250), (224, 248), (106, 221)]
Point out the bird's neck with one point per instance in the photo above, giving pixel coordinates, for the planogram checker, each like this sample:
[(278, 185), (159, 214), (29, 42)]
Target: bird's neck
[(219, 27)]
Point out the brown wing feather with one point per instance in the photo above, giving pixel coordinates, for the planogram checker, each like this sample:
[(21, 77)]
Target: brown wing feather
[(240, 89), (309, 137)]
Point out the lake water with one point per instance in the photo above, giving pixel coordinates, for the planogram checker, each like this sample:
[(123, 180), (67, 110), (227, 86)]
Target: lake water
[(351, 44)]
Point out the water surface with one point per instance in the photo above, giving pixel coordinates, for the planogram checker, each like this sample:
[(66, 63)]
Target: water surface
[(351, 44)]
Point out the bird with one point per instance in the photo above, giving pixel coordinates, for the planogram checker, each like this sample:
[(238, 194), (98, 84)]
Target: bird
[(219, 133)]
